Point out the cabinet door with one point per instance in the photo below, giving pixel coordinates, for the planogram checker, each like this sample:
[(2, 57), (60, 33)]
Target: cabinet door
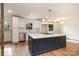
[(15, 29), (22, 36), (21, 25), (44, 28)]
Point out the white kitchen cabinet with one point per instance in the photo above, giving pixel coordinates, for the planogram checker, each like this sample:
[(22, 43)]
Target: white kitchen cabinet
[(47, 28), (15, 36), (22, 36), (36, 24), (44, 28)]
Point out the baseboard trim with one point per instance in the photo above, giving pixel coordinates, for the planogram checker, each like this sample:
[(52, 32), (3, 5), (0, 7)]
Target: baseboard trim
[(72, 40), (7, 42), (23, 41)]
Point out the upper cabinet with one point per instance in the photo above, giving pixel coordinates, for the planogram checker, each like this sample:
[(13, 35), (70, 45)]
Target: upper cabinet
[(18, 25), (15, 29), (36, 24), (22, 25)]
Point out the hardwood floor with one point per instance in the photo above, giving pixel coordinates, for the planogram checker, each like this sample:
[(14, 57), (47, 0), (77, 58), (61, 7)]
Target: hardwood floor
[(59, 52), (21, 49)]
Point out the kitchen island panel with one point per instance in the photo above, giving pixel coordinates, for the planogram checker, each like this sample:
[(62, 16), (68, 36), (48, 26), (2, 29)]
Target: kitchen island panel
[(46, 44)]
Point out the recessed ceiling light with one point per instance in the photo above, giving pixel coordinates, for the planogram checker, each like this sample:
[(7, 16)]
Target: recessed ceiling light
[(9, 11), (5, 22)]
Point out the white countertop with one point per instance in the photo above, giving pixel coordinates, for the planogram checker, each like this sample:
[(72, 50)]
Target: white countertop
[(35, 36)]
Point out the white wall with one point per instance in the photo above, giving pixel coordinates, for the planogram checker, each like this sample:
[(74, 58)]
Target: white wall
[(71, 28), (71, 25), (56, 28), (8, 34)]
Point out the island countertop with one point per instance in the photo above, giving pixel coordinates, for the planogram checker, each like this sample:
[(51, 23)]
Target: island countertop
[(40, 35)]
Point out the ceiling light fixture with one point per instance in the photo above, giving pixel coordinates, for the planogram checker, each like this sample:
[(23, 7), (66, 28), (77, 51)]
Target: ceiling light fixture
[(48, 19), (61, 20)]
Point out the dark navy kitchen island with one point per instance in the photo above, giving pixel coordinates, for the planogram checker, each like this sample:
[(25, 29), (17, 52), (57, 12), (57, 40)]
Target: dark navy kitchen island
[(40, 43)]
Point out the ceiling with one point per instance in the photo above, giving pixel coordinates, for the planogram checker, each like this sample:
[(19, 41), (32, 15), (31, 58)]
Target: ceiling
[(40, 10)]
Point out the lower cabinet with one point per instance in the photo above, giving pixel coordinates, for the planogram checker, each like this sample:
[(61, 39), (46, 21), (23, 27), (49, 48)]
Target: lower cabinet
[(37, 46), (22, 36)]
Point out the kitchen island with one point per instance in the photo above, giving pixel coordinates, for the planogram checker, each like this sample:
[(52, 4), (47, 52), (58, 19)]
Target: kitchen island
[(40, 43)]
